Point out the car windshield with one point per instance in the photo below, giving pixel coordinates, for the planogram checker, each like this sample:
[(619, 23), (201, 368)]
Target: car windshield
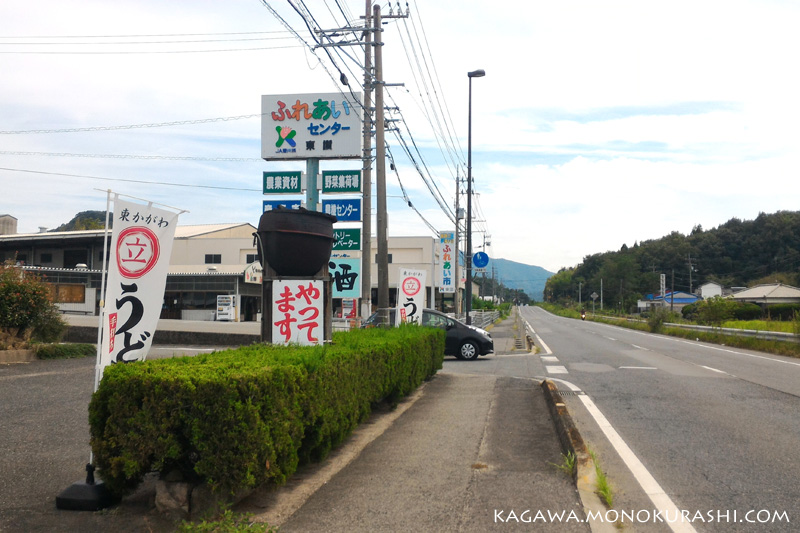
[(434, 320)]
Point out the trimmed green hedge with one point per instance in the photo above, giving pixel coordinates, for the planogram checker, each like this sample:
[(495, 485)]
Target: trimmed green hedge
[(240, 418)]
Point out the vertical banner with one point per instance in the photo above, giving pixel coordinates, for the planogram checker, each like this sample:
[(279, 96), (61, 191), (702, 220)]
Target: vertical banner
[(297, 312), (447, 241), (410, 296), (141, 245)]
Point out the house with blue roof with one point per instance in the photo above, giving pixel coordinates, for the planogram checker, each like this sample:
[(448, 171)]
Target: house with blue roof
[(675, 301)]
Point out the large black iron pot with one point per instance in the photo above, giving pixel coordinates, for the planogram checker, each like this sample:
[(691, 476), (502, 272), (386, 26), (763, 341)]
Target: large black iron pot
[(295, 242)]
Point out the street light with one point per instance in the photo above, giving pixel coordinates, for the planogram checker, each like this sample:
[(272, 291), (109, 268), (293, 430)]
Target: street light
[(474, 74)]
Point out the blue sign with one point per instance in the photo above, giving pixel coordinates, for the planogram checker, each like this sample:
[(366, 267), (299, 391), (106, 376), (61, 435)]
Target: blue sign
[(343, 210), (480, 259), (269, 205)]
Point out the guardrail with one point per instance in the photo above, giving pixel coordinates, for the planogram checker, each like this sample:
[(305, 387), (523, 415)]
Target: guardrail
[(756, 333), (482, 319)]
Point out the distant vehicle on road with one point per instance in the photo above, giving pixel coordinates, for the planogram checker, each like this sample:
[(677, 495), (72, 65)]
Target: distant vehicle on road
[(462, 341)]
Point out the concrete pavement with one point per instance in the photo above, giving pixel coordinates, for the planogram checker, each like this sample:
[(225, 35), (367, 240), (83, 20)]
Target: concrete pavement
[(464, 453)]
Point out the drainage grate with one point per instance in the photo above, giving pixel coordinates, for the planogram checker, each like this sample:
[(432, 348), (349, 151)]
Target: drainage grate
[(571, 392)]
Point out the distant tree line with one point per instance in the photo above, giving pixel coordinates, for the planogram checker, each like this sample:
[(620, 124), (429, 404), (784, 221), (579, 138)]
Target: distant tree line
[(735, 254)]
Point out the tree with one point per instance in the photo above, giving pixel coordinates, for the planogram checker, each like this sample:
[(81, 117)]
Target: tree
[(715, 311)]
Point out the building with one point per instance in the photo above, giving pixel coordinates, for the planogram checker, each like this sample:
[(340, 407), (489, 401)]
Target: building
[(207, 261), (770, 294), (675, 301)]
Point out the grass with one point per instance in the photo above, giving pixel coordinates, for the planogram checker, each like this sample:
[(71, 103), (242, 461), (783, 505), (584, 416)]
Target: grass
[(229, 522), (603, 485), (567, 464)]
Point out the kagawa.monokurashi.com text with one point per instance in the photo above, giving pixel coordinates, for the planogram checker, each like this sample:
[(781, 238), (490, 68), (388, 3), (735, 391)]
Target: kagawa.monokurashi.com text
[(642, 516)]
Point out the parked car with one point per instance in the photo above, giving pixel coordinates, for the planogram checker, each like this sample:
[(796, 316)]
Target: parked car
[(463, 341)]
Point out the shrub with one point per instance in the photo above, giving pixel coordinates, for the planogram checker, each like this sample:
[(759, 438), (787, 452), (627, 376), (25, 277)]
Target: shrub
[(240, 418), (64, 351), (747, 311), (26, 307)]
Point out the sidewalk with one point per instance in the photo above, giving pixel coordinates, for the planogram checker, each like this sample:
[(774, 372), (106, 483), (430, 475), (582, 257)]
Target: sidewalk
[(464, 453)]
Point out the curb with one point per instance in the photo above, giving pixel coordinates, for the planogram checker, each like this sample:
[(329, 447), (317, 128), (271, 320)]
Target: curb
[(585, 474)]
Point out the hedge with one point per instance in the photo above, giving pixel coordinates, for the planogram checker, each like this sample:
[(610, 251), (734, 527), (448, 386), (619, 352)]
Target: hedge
[(241, 418)]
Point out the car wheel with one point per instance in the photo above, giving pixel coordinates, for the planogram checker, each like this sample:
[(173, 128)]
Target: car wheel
[(468, 351)]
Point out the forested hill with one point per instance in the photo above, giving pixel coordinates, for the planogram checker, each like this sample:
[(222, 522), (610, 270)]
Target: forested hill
[(736, 253)]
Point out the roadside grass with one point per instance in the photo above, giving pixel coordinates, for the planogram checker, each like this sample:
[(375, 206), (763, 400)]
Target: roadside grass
[(228, 522), (603, 486), (567, 464)]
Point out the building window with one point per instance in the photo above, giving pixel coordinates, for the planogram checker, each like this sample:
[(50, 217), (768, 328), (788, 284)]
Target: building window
[(251, 258), (213, 259), (390, 258), (46, 258)]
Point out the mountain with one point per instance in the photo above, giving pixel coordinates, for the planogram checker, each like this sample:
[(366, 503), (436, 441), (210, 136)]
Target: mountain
[(528, 278), (85, 220)]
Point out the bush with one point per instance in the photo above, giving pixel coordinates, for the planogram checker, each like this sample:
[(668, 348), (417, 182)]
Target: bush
[(27, 310), (782, 311), (747, 311), (244, 417), (64, 351)]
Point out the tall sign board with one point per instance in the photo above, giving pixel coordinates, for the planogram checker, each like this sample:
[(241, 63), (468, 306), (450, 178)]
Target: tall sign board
[(311, 126)]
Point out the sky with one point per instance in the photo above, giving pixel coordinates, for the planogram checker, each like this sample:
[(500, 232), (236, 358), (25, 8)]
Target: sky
[(597, 125)]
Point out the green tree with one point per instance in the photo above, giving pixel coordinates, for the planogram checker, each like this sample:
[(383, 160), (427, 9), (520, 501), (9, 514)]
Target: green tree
[(27, 310), (715, 311)]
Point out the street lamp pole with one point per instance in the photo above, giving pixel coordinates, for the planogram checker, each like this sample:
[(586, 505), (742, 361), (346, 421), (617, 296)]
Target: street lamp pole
[(474, 74)]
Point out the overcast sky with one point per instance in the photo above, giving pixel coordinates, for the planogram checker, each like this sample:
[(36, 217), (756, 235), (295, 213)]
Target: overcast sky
[(597, 124)]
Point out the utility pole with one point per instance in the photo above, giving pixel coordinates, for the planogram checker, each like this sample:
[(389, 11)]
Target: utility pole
[(380, 169), (366, 234), (689, 258), (457, 301)]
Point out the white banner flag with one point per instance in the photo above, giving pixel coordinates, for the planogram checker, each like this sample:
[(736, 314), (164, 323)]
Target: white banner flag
[(410, 296), (141, 245)]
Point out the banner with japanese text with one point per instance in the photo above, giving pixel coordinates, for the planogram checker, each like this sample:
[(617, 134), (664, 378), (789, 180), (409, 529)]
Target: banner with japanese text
[(346, 277), (297, 312), (141, 245), (410, 296), (447, 261)]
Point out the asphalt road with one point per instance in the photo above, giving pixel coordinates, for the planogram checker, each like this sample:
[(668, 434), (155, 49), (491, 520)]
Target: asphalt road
[(717, 428)]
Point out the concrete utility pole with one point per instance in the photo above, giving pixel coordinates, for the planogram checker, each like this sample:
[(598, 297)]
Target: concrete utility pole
[(457, 297), (380, 170), (366, 234)]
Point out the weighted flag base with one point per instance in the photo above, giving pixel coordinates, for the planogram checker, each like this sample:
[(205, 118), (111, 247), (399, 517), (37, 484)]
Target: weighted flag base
[(85, 496)]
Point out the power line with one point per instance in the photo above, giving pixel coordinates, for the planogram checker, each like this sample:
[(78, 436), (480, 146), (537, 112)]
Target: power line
[(132, 156), (164, 183), (135, 126)]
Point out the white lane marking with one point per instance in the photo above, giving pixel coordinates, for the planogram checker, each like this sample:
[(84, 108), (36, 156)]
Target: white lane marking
[(714, 369), (556, 369), (708, 346), (546, 348), (646, 480), (610, 338), (549, 359), (640, 348), (638, 368)]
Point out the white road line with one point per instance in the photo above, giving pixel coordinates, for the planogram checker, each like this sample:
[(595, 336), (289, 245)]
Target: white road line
[(651, 487), (546, 348), (549, 359), (638, 368), (714, 369), (556, 369), (640, 348)]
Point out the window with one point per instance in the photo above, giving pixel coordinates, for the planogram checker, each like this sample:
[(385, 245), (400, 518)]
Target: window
[(251, 258), (390, 258), (46, 258), (213, 259)]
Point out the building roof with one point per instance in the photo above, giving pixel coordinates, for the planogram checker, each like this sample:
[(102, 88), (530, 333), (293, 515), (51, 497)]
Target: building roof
[(186, 232), (772, 290), (206, 270)]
